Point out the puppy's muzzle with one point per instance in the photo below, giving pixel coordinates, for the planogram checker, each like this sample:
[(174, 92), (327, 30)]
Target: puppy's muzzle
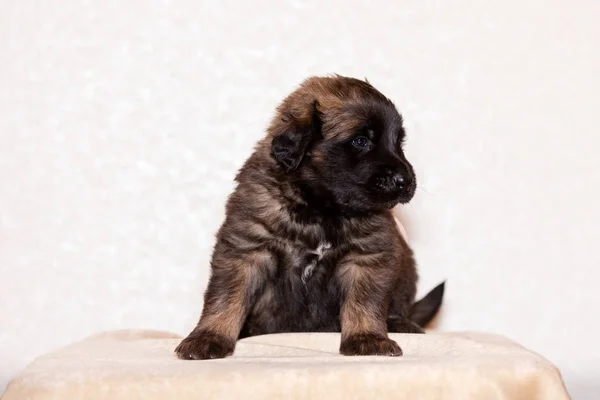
[(394, 182)]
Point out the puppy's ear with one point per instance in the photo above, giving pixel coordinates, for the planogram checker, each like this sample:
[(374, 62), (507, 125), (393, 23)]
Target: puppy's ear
[(293, 137)]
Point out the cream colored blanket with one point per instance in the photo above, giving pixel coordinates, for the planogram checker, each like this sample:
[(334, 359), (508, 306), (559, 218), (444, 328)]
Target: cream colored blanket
[(141, 365)]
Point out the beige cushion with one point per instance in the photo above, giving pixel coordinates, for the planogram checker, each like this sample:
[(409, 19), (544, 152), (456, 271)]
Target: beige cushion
[(142, 365)]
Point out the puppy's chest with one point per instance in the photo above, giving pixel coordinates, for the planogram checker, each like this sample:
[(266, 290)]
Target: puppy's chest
[(313, 261), (308, 259)]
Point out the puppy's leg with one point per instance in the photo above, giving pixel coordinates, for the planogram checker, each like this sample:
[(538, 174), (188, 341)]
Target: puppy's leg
[(226, 303), (403, 325), (364, 312), (399, 320)]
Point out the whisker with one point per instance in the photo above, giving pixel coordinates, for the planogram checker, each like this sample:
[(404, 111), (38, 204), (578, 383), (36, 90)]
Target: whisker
[(425, 190)]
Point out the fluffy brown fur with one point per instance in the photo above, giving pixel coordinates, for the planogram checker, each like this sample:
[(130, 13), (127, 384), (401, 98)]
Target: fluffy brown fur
[(309, 242)]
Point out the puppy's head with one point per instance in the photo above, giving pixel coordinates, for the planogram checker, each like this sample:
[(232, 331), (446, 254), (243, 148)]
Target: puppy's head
[(341, 139)]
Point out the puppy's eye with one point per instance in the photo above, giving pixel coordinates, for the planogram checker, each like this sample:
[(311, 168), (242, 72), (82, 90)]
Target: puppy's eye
[(360, 142)]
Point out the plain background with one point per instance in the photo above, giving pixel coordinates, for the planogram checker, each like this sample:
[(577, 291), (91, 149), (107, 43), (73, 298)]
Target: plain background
[(122, 125)]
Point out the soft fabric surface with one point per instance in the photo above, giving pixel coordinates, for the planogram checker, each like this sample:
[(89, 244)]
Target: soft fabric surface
[(142, 365)]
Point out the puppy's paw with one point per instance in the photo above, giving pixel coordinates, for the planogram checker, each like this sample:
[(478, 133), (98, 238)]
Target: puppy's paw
[(369, 345), (204, 346)]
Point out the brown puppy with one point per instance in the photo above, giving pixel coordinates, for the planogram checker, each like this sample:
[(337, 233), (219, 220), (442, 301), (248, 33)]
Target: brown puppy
[(309, 242)]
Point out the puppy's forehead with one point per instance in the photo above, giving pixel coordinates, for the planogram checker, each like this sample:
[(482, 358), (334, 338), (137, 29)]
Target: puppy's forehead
[(346, 105), (349, 104), (360, 118)]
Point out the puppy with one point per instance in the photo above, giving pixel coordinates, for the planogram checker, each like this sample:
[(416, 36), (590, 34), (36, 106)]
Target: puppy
[(309, 242)]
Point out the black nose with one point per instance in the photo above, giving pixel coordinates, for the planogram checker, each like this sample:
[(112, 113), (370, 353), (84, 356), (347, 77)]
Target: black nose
[(401, 181), (393, 181), (398, 180)]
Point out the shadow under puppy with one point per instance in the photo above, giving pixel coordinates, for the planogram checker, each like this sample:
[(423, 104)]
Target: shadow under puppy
[(309, 243)]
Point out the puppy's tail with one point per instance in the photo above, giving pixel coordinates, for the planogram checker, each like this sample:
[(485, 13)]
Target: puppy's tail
[(424, 310)]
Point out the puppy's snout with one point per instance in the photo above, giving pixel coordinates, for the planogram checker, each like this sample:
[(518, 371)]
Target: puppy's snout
[(394, 181)]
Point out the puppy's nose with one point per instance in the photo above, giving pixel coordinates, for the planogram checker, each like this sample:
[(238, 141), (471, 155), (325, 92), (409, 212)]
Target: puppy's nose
[(401, 181), (398, 180)]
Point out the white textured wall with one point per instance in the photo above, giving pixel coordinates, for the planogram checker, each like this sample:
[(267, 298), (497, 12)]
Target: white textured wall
[(122, 125)]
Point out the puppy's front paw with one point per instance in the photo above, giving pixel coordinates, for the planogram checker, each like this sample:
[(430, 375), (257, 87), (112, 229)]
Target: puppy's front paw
[(369, 345), (204, 346)]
